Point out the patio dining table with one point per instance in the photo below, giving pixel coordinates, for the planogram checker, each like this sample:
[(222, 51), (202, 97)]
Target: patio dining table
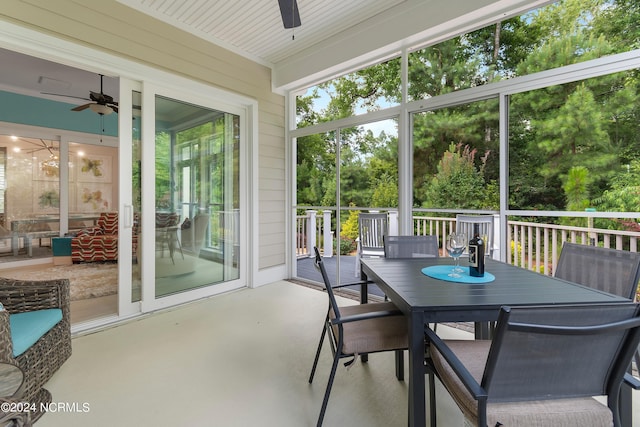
[(425, 300)]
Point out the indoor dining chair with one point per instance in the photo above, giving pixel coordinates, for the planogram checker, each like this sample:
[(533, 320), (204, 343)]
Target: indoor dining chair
[(356, 329), (534, 371)]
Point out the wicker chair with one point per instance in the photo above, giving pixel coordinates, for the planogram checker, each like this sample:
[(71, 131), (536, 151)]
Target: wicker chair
[(40, 361)]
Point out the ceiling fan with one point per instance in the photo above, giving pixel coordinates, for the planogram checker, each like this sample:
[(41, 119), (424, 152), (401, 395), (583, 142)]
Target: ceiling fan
[(102, 104), (290, 13), (41, 144)]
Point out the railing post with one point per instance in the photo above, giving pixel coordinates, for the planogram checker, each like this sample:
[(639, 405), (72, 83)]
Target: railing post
[(327, 234), (311, 232), (496, 237), (393, 223)]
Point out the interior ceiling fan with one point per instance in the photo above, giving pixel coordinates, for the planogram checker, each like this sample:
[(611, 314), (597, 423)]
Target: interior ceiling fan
[(290, 13), (41, 144), (102, 103)]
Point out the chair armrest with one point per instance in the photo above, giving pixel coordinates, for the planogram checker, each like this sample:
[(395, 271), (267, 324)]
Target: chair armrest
[(366, 316), (461, 371), (631, 381), (359, 283), (19, 296), (6, 344)]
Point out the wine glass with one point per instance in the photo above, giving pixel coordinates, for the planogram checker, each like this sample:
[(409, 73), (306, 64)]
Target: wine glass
[(456, 242)]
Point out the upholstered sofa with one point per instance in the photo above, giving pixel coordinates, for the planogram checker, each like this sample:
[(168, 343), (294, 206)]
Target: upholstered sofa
[(35, 333)]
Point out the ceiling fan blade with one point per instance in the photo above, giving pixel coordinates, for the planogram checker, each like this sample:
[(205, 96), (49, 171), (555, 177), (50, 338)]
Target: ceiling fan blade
[(113, 107), (82, 107), (67, 96), (290, 13)]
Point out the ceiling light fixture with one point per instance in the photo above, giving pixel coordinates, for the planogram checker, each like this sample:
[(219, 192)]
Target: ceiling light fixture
[(101, 109)]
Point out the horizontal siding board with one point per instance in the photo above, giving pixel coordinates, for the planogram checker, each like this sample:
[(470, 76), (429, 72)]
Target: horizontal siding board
[(272, 185), (275, 237), (272, 206), (271, 195), (272, 162), (272, 173), (271, 217), (273, 259)]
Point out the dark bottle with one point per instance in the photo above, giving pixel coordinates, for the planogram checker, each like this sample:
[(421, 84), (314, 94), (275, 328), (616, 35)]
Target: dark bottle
[(476, 253)]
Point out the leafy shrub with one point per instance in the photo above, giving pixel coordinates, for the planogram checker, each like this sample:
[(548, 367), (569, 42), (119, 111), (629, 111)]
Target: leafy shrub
[(347, 246), (350, 226)]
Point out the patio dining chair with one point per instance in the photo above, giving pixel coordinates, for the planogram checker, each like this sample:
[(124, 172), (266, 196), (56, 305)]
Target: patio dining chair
[(372, 228), (411, 246), (465, 223), (355, 330), (533, 372), (610, 270)]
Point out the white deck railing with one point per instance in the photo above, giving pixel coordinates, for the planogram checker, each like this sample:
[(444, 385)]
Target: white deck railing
[(537, 246), (534, 246)]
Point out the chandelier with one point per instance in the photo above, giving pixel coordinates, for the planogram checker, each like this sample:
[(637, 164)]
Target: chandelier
[(51, 166)]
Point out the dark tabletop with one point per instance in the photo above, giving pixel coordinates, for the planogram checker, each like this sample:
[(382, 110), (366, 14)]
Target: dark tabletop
[(405, 284)]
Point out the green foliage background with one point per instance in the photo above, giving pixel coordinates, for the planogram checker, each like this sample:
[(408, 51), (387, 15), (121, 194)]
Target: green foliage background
[(571, 146)]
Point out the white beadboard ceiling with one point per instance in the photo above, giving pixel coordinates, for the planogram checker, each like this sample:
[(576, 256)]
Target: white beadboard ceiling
[(254, 29), (334, 36)]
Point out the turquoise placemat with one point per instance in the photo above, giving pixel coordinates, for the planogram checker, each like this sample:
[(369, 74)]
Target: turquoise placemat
[(441, 272)]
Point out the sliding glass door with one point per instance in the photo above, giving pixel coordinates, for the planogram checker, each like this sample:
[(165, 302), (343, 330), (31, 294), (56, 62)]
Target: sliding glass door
[(197, 204)]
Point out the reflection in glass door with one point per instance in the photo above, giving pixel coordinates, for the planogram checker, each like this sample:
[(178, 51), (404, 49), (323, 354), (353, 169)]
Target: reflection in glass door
[(30, 197), (197, 196)]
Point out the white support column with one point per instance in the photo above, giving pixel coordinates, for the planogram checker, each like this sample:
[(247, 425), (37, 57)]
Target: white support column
[(311, 232), (327, 234)]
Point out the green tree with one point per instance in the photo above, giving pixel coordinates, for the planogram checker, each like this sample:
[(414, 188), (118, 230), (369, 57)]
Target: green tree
[(458, 182), (573, 135), (623, 196)]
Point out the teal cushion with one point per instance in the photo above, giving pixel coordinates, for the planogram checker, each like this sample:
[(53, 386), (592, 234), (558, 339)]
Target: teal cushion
[(27, 328)]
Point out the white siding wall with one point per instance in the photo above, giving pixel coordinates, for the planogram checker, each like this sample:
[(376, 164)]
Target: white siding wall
[(108, 25)]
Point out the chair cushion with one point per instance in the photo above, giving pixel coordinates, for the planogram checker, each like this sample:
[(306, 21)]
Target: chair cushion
[(578, 412), (372, 335), (27, 328)]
